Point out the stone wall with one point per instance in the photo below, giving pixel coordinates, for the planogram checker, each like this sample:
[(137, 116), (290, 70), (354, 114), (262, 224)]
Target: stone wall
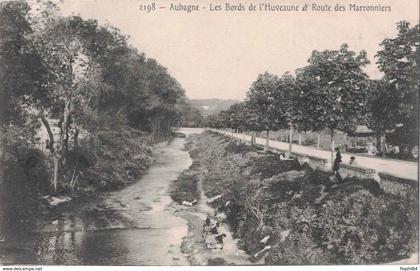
[(396, 185), (360, 172)]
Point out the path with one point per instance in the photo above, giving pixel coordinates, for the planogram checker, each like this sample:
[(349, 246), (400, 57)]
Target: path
[(398, 168)]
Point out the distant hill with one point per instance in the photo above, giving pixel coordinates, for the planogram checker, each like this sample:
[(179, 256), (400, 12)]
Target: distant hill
[(211, 106)]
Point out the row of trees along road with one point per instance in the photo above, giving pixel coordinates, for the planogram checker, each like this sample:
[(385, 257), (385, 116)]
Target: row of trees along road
[(333, 92), (84, 75)]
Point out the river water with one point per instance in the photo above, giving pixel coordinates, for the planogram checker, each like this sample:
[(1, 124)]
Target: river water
[(137, 225)]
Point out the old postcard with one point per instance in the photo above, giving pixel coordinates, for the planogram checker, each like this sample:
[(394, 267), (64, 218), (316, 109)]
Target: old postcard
[(205, 132)]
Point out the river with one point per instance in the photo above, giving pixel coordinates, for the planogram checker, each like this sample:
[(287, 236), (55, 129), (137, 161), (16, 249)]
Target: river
[(133, 226)]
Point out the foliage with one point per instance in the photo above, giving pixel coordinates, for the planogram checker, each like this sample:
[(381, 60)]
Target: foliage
[(382, 103), (18, 154), (330, 93), (260, 103), (81, 73), (398, 61), (310, 218), (184, 188), (110, 157), (393, 101), (20, 67), (234, 147), (333, 88), (191, 117)]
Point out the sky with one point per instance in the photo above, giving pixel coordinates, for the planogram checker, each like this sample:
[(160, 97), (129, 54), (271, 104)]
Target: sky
[(220, 54)]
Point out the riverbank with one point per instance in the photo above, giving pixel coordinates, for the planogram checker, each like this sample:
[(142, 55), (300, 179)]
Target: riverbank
[(281, 212), (107, 162), (39, 229), (209, 240)]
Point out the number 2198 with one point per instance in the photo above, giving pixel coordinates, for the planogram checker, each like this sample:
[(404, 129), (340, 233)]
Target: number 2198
[(148, 8)]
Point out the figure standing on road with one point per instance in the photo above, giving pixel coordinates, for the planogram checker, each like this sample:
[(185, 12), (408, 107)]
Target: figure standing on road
[(337, 162)]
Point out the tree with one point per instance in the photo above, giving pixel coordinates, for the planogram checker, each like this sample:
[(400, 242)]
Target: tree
[(236, 114), (88, 78), (333, 89), (265, 115), (20, 69), (382, 101), (394, 101), (286, 102), (70, 73), (191, 116), (212, 121)]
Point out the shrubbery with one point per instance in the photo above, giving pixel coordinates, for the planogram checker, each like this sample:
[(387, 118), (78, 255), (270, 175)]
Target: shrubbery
[(23, 176), (235, 147), (99, 99), (310, 216), (107, 159), (185, 188), (18, 153)]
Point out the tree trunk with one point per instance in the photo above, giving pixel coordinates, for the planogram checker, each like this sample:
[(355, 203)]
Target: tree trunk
[(346, 142), (318, 140), (289, 153), (66, 140), (384, 144), (56, 162), (378, 141), (267, 140), (332, 149), (76, 137), (49, 131), (52, 149), (65, 127), (381, 142), (300, 138)]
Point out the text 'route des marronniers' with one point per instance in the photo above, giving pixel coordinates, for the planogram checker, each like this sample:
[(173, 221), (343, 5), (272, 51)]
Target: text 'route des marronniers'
[(261, 7)]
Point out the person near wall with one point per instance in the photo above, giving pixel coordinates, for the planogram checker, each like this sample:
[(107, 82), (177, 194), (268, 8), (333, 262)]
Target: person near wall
[(337, 161)]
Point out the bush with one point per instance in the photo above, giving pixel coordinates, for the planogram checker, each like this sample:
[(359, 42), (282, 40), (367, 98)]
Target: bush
[(311, 219), (106, 159), (360, 228), (235, 147), (185, 188), (18, 152), (23, 177)]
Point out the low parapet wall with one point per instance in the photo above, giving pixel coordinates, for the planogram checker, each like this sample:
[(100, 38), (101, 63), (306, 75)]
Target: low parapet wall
[(313, 161), (396, 185), (388, 182), (347, 170)]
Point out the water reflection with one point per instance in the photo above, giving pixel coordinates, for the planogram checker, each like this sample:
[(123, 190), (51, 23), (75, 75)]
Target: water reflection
[(103, 248)]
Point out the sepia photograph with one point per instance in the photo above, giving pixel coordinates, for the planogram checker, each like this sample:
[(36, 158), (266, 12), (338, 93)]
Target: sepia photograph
[(138, 133)]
